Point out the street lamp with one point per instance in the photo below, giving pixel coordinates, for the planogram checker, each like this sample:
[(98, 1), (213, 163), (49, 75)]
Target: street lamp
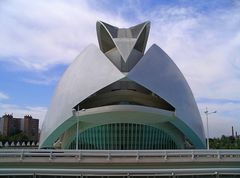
[(207, 113), (75, 114)]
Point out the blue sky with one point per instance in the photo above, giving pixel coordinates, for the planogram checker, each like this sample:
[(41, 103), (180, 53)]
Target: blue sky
[(39, 39)]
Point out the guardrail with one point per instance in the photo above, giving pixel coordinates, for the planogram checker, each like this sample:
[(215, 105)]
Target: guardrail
[(217, 163), (109, 154), (206, 172)]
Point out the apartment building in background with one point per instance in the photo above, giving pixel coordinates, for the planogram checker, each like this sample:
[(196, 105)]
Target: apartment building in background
[(10, 125)]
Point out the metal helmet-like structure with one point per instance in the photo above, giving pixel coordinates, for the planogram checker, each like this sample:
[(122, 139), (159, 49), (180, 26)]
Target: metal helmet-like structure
[(119, 97)]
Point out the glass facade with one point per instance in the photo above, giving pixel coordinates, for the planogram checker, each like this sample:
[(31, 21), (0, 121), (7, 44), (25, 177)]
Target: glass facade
[(124, 136)]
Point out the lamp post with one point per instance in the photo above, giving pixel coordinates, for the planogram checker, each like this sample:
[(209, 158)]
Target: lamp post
[(207, 113), (74, 115)]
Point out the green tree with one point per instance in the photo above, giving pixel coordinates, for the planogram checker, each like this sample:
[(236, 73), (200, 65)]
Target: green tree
[(20, 137)]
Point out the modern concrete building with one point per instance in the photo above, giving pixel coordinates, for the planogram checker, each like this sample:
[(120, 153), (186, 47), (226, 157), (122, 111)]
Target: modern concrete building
[(120, 98), (10, 125)]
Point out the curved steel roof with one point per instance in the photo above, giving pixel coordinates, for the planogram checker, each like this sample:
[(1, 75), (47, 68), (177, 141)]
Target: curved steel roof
[(93, 70)]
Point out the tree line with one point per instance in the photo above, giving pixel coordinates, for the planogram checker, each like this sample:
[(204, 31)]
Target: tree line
[(225, 142), (19, 137)]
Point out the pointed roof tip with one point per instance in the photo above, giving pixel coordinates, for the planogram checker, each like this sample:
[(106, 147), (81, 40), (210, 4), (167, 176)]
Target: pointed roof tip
[(100, 21), (148, 22), (105, 24), (154, 45)]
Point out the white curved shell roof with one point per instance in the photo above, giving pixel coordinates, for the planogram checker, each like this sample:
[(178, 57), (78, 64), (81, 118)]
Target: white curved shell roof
[(157, 72), (92, 71), (89, 72)]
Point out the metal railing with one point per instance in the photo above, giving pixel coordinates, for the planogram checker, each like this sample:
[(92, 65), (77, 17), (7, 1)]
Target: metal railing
[(109, 154), (27, 157), (213, 172)]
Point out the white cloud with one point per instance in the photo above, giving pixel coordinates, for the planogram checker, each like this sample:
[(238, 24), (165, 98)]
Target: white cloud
[(42, 80), (3, 96), (46, 33), (20, 111), (204, 46)]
